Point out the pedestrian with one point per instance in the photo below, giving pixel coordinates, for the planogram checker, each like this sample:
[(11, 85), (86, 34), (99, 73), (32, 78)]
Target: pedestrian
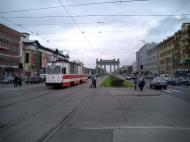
[(20, 81), (91, 78), (16, 79), (141, 84), (94, 81), (135, 82)]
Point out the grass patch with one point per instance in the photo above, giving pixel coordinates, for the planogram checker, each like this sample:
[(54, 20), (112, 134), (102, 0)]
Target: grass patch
[(128, 84), (106, 82), (113, 81)]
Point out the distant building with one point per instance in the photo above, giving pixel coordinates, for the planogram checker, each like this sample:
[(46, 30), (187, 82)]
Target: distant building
[(134, 67), (142, 57), (19, 54), (137, 62), (102, 64), (35, 56), (9, 50), (153, 60)]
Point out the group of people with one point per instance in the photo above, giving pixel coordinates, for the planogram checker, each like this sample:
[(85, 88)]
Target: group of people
[(140, 83), (93, 81)]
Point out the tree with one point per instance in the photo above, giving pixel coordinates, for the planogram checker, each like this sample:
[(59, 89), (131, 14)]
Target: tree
[(129, 69)]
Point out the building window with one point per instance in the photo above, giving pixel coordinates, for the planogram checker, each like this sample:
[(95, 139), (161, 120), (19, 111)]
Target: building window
[(27, 58)]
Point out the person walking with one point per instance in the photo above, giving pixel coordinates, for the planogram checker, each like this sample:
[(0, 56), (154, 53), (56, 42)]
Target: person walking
[(91, 78), (135, 82), (94, 81), (16, 79), (141, 84), (20, 81)]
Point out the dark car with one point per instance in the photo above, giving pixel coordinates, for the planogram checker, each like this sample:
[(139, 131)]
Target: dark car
[(128, 78), (35, 79), (173, 82), (158, 83), (184, 82)]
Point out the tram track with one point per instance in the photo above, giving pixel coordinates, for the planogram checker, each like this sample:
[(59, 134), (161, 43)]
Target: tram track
[(27, 98), (45, 107), (13, 94), (53, 130)]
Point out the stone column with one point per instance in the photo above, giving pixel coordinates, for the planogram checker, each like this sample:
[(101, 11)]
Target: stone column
[(105, 68), (110, 68), (114, 68)]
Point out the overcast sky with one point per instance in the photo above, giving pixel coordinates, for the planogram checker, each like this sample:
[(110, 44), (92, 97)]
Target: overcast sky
[(89, 34)]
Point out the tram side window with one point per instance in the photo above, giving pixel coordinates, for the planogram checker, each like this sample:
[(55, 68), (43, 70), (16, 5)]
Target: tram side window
[(72, 68), (64, 70)]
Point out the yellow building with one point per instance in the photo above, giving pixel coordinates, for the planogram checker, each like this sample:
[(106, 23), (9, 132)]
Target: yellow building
[(166, 47), (175, 52)]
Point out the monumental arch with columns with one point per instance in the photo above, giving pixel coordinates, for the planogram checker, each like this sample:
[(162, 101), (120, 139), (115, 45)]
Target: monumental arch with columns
[(113, 64)]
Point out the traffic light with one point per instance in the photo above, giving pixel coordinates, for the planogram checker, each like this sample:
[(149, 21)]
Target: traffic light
[(141, 67)]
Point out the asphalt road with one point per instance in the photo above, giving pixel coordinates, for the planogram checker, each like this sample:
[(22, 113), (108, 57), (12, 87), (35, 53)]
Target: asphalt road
[(82, 114)]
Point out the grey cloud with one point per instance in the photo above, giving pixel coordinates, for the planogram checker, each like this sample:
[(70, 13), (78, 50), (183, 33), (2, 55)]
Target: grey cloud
[(166, 27)]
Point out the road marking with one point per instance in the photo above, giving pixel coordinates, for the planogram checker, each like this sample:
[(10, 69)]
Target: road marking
[(167, 91), (175, 91), (137, 127), (179, 87)]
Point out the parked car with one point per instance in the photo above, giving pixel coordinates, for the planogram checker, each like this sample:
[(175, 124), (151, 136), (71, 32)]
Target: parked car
[(184, 81), (43, 77), (35, 79), (6, 79), (173, 82), (128, 78), (158, 83), (150, 76)]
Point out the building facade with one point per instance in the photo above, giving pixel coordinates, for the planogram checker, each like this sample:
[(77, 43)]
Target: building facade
[(9, 50), (153, 61), (35, 57), (175, 52), (142, 57)]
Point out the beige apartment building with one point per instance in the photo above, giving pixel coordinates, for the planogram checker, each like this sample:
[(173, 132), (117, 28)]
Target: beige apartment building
[(175, 52)]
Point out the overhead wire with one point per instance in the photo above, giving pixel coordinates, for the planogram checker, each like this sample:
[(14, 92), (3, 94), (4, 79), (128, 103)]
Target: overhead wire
[(72, 5), (30, 31), (82, 32), (96, 15)]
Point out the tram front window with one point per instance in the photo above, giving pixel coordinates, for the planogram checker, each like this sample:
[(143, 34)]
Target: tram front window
[(53, 70)]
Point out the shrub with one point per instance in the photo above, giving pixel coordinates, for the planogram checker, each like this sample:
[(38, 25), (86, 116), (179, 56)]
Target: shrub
[(117, 82)]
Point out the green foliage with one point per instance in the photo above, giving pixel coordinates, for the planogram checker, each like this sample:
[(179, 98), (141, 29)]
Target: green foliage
[(113, 81), (116, 82), (106, 82), (128, 84)]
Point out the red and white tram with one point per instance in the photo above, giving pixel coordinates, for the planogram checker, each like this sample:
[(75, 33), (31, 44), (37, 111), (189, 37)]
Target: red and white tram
[(63, 73)]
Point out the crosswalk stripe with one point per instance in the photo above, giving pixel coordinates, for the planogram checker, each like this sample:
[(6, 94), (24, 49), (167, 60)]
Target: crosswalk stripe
[(179, 87), (175, 91), (167, 91)]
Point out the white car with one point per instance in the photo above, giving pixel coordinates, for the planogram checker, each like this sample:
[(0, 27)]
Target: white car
[(166, 77)]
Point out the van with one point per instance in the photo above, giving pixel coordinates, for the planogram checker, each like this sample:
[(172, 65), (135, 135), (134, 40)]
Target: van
[(165, 76)]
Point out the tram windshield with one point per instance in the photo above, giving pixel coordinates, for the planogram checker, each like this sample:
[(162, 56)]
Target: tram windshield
[(53, 70)]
